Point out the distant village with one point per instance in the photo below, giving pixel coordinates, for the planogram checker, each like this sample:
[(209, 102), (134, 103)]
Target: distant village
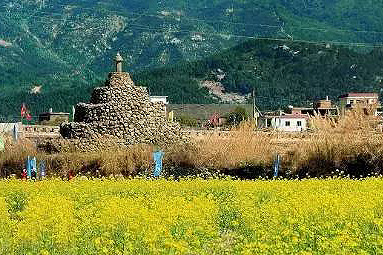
[(292, 119), (216, 116)]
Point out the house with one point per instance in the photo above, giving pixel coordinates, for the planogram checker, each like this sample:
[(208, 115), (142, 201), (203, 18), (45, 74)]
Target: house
[(53, 117), (156, 99), (203, 113), (284, 122), (368, 102), (322, 107)]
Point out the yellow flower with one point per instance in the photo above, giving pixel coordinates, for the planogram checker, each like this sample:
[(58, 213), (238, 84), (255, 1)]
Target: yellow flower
[(97, 241), (191, 216), (44, 252)]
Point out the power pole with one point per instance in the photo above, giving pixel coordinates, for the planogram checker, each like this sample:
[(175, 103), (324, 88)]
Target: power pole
[(256, 112), (254, 104)]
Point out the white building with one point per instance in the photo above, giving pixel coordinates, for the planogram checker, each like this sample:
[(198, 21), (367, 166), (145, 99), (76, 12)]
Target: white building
[(156, 99), (369, 102), (285, 123), (8, 128)]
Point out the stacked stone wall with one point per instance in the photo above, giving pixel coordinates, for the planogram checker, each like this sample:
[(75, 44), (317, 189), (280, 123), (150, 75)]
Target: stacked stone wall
[(121, 113)]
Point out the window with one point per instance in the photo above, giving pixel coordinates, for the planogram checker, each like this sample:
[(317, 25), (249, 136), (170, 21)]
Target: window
[(287, 123), (299, 123)]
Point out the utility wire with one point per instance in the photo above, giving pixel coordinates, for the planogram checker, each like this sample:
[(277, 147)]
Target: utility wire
[(146, 28), (261, 38), (182, 9), (146, 14), (209, 33)]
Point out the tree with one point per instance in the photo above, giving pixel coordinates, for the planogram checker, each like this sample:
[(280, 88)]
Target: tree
[(237, 116)]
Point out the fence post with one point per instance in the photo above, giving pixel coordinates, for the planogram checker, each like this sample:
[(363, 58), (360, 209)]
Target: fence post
[(15, 132)]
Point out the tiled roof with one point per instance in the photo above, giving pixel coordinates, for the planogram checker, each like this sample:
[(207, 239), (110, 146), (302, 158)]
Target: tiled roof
[(205, 111), (54, 113), (290, 116), (359, 94), (293, 116)]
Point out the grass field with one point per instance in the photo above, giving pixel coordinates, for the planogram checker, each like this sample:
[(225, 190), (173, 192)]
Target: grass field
[(191, 216)]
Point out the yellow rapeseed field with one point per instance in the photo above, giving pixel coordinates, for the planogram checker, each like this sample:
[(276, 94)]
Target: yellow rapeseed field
[(191, 216)]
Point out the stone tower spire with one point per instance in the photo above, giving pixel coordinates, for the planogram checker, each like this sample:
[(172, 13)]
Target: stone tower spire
[(118, 59), (119, 115)]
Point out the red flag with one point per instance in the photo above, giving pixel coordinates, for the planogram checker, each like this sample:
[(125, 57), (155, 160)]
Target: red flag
[(214, 119), (28, 116), (23, 111)]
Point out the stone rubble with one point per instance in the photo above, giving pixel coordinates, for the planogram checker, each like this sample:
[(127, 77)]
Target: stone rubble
[(118, 115)]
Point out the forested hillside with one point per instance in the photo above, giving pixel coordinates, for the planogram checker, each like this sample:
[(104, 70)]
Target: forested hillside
[(282, 73), (53, 52)]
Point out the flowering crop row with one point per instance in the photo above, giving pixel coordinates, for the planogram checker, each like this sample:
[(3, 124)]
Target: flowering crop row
[(191, 217)]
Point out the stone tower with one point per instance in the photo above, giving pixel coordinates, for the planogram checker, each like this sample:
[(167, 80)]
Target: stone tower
[(119, 61), (121, 114)]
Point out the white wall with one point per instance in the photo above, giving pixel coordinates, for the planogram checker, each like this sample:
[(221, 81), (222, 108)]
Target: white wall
[(155, 99), (8, 127), (281, 124)]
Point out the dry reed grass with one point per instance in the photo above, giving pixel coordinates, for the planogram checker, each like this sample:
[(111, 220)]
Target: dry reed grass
[(130, 161), (114, 162), (350, 145), (12, 158), (238, 148)]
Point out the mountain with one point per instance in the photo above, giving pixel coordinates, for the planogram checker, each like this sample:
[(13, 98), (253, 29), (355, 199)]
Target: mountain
[(53, 52), (281, 73)]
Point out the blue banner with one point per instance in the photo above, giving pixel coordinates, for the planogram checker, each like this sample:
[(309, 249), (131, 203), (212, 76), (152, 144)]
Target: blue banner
[(42, 170), (277, 164), (158, 156), (31, 166)]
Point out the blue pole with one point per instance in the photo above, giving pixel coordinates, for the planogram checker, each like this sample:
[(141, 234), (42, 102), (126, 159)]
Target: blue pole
[(34, 167), (158, 156), (42, 169), (277, 163), (29, 167)]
